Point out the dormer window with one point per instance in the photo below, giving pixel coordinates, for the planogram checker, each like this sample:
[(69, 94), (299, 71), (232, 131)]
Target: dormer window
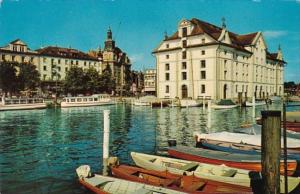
[(184, 32), (167, 45)]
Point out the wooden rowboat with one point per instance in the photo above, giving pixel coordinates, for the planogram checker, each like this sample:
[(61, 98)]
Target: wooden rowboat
[(108, 185), (239, 148), (190, 184), (243, 161), (292, 143), (220, 173)]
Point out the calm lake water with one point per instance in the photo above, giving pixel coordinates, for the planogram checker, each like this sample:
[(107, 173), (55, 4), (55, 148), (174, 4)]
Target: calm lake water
[(40, 149)]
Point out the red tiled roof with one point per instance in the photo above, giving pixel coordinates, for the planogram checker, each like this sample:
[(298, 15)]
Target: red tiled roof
[(65, 53)]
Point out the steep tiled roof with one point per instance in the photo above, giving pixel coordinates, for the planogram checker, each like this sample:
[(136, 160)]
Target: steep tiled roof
[(65, 53), (273, 56), (201, 27)]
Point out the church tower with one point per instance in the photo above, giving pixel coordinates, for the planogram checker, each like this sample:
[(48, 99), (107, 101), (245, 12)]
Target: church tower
[(109, 43)]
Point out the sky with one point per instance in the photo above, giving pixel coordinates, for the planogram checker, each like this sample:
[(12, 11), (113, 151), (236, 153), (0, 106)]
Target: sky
[(138, 25)]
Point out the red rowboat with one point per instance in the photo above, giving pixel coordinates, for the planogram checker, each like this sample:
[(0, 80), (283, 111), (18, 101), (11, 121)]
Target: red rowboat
[(189, 184), (243, 161)]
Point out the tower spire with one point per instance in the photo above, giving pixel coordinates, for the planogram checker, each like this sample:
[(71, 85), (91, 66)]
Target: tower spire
[(109, 33), (223, 22)]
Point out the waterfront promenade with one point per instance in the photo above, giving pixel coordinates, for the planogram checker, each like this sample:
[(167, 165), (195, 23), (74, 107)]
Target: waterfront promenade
[(41, 148)]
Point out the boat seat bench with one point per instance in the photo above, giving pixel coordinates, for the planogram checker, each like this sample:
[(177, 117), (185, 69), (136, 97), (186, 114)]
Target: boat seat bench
[(188, 166)]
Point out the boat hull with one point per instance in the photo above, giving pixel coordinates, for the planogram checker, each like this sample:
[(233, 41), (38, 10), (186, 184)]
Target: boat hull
[(176, 182), (220, 107), (23, 106), (67, 105), (214, 158)]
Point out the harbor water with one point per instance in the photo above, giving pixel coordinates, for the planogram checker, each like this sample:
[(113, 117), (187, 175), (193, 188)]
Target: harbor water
[(40, 149)]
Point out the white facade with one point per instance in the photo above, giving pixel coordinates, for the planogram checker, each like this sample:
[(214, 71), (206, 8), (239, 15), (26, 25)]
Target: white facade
[(150, 81), (201, 59)]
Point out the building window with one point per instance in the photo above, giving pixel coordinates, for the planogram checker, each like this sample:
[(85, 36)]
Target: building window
[(3, 57), (23, 59), (203, 74), (184, 77), (167, 67), (184, 43), (31, 59), (236, 76), (203, 40), (167, 89), (13, 58), (66, 69), (66, 62), (45, 68), (167, 56), (183, 54), (203, 52), (225, 74), (71, 62), (58, 68), (44, 59), (85, 63), (167, 76), (76, 62), (202, 89), (183, 65), (167, 45), (236, 88), (58, 61), (44, 77), (203, 64), (184, 32)]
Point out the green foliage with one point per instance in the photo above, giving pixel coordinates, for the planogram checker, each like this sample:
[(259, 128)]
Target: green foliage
[(108, 84), (93, 81), (74, 81), (28, 77), (8, 77), (15, 77)]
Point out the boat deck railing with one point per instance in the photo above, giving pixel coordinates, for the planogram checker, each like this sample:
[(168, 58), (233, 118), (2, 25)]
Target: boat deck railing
[(21, 101)]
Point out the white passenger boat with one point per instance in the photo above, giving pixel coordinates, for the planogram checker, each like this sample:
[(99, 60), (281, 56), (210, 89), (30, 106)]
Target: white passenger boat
[(185, 103), (258, 103), (94, 100), (21, 103)]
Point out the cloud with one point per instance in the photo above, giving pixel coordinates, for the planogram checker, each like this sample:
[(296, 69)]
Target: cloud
[(1, 3), (274, 33), (256, 1), (136, 58)]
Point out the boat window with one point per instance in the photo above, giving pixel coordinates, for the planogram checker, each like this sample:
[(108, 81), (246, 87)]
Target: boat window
[(95, 99), (67, 100), (72, 100), (79, 99), (30, 101), (90, 99), (84, 99)]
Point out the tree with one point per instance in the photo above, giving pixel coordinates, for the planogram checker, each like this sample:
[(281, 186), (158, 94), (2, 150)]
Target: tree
[(74, 81), (92, 81), (28, 77), (108, 84), (8, 78)]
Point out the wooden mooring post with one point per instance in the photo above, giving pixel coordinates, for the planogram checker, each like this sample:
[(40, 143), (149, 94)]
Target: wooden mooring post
[(270, 151), (106, 126)]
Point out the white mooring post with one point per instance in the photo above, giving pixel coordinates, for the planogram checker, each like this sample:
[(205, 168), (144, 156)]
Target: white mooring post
[(161, 104), (203, 103), (3, 100), (106, 126), (253, 108), (209, 114)]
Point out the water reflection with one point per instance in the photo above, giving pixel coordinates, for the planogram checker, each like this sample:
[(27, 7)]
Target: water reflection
[(40, 149)]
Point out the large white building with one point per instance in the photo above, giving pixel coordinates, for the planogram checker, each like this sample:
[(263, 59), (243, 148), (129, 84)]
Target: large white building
[(201, 59)]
